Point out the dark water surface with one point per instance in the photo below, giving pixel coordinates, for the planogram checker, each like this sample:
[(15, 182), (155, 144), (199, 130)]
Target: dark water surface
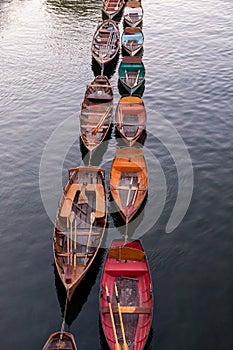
[(45, 64)]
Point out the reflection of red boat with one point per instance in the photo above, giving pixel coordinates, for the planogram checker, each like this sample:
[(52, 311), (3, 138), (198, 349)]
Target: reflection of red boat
[(126, 271), (60, 340)]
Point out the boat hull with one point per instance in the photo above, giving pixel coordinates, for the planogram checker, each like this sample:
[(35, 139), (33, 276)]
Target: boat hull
[(106, 42), (128, 181), (80, 225), (60, 340), (130, 118), (126, 267), (96, 112)]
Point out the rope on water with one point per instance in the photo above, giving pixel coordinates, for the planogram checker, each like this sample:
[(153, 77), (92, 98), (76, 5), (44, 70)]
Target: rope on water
[(126, 232), (64, 318)]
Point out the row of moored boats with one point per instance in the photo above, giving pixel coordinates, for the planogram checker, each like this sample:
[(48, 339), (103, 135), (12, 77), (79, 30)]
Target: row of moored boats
[(126, 298)]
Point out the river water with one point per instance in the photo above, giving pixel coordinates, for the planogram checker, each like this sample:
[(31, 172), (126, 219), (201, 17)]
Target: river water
[(45, 64)]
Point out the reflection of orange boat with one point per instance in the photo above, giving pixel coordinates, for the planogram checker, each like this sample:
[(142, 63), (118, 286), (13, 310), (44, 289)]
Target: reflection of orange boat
[(60, 340), (126, 299), (128, 180), (80, 225), (130, 118)]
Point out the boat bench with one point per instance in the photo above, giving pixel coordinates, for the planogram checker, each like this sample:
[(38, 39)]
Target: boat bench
[(70, 195), (128, 309), (100, 202), (122, 266), (68, 202)]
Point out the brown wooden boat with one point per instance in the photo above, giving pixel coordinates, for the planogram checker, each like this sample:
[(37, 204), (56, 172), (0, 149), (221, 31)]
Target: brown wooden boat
[(128, 180), (130, 118), (96, 112), (59, 341), (126, 298), (106, 42), (111, 8), (80, 225), (133, 13)]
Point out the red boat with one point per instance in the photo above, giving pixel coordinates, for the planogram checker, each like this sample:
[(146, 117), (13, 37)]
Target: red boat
[(126, 299)]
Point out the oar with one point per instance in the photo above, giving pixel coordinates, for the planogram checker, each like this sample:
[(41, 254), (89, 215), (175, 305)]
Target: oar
[(121, 117), (117, 345), (75, 242), (95, 130), (72, 216), (135, 195), (126, 76), (125, 345), (136, 80), (116, 7), (92, 219), (128, 196)]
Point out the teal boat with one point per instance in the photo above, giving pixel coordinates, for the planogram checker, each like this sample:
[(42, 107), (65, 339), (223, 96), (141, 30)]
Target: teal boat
[(132, 40), (132, 73)]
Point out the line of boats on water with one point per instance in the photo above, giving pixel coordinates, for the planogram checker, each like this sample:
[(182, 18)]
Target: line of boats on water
[(126, 297)]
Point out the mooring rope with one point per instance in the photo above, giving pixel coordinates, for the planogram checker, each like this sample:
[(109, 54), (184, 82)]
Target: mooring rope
[(126, 232), (63, 321)]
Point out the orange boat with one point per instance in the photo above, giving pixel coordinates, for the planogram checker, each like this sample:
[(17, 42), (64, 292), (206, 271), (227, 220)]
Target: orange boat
[(80, 225), (60, 340), (128, 181), (130, 118)]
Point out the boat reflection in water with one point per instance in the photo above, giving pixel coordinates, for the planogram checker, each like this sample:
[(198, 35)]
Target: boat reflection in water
[(118, 222), (86, 8), (123, 91), (82, 291), (109, 69)]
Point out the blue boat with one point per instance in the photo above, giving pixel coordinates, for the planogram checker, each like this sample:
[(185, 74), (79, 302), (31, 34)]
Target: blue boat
[(132, 40)]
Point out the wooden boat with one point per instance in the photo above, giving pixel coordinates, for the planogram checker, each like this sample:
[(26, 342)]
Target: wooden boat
[(132, 40), (80, 225), (126, 297), (131, 73), (96, 112), (111, 8), (130, 118), (133, 13), (128, 180), (106, 42), (60, 340)]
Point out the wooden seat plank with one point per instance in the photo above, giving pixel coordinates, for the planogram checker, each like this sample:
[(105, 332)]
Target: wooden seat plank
[(128, 309)]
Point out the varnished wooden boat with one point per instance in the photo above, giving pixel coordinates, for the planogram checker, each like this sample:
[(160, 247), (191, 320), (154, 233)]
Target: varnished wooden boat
[(106, 42), (80, 225), (126, 320), (130, 118), (128, 180), (59, 341), (132, 40), (131, 73), (96, 112), (111, 8), (133, 13)]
